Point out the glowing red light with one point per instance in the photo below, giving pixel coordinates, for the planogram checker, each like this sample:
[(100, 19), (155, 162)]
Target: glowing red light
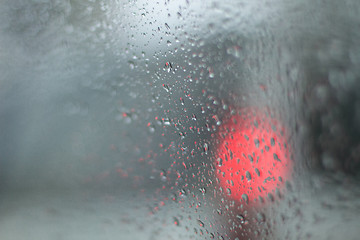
[(253, 156)]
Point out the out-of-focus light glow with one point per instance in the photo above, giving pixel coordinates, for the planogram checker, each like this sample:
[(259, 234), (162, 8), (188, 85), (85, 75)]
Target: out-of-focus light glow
[(253, 157)]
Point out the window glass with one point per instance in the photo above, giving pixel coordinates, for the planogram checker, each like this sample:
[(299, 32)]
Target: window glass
[(181, 119)]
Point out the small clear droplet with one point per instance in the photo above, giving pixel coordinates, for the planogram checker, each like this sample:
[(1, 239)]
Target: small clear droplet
[(240, 218), (260, 217), (257, 143), (248, 175), (228, 191), (201, 224), (276, 157), (131, 65), (176, 221), (166, 87), (219, 162), (206, 148), (202, 190), (245, 197), (272, 140)]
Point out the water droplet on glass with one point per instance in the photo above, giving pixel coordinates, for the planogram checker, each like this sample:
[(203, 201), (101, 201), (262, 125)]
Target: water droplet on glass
[(163, 175), (201, 224), (276, 157), (257, 142), (166, 87), (131, 65), (176, 221), (220, 162), (245, 197), (248, 175), (240, 218), (260, 217), (267, 148), (166, 121), (168, 66), (202, 190), (272, 140), (257, 172), (206, 148), (228, 191)]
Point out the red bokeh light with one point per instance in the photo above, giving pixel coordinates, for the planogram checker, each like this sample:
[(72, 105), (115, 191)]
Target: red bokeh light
[(253, 157)]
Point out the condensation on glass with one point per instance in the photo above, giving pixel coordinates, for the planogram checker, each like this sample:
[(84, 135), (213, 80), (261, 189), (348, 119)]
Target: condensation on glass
[(181, 119)]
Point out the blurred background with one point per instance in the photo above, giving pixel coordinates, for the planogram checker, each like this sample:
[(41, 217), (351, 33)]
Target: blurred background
[(109, 112)]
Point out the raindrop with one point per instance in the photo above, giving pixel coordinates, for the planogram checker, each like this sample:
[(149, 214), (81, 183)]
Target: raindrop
[(234, 50), (257, 172), (245, 197), (260, 217), (183, 193), (257, 143), (201, 224), (202, 190), (176, 221), (131, 65), (248, 175), (151, 128), (272, 142), (163, 175), (168, 66), (206, 148), (228, 191), (174, 197), (166, 87), (240, 218), (166, 121), (276, 157), (220, 162), (271, 197)]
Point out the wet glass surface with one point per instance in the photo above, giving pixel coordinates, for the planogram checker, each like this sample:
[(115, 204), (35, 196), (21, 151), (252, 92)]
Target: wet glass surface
[(179, 119)]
